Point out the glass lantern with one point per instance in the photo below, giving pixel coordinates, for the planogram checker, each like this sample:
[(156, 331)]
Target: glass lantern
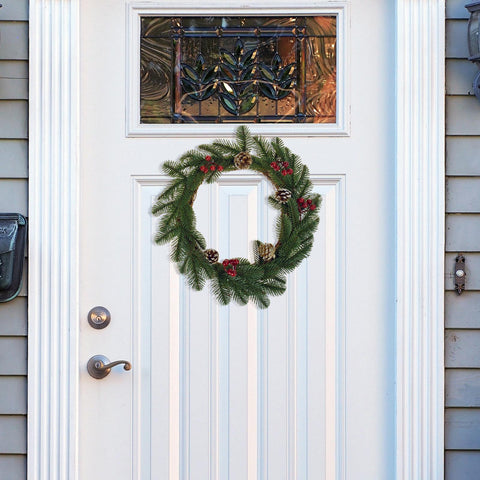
[(474, 41)]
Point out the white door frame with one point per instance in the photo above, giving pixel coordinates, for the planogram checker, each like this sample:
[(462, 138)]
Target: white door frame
[(54, 228)]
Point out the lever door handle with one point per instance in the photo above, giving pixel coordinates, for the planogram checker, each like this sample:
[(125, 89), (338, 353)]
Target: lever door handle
[(99, 366)]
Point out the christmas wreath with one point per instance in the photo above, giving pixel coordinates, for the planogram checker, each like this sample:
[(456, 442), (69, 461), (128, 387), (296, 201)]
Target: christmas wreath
[(237, 278)]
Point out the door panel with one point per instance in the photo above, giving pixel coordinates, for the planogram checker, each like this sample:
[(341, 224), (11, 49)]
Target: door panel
[(302, 390), (248, 390)]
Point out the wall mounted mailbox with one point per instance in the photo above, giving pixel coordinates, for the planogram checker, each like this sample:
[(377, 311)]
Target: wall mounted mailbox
[(13, 231)]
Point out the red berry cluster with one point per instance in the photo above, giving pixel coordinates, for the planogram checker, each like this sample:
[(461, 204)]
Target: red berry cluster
[(210, 166), (283, 166), (230, 266), (304, 205)]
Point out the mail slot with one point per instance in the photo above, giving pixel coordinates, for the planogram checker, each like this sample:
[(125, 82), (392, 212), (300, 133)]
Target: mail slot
[(13, 231)]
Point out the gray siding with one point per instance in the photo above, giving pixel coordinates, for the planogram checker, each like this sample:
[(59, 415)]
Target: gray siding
[(13, 198), (462, 313)]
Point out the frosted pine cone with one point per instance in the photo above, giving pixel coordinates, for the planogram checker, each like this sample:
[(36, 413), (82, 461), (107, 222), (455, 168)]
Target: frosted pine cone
[(211, 255), (282, 195), (242, 160), (266, 251)]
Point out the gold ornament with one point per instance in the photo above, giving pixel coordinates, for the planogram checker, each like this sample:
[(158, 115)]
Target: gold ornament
[(242, 160), (266, 251)]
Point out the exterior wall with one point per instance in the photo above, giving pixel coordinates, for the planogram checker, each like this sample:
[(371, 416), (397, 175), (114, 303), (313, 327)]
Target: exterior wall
[(462, 313), (13, 198)]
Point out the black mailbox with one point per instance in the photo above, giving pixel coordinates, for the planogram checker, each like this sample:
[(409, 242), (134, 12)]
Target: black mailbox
[(13, 231)]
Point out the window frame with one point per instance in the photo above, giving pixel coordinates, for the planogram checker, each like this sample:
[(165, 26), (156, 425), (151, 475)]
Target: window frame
[(134, 128)]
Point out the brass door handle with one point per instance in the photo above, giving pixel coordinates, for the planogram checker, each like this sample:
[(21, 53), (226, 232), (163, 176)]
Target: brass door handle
[(99, 366)]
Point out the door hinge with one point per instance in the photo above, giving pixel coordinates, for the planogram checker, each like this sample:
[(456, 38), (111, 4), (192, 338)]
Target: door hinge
[(460, 274)]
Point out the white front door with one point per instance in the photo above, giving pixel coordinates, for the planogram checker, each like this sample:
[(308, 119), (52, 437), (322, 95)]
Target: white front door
[(302, 390)]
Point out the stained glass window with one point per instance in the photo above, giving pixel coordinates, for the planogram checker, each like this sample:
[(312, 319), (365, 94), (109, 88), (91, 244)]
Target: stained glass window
[(238, 69)]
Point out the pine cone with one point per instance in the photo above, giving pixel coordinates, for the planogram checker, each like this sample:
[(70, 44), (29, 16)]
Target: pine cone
[(282, 195), (242, 160), (211, 255), (266, 251)]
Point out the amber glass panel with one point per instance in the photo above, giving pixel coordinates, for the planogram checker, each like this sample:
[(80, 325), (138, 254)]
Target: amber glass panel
[(238, 69)]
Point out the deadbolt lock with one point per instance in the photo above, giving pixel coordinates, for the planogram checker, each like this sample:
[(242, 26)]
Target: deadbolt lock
[(99, 317)]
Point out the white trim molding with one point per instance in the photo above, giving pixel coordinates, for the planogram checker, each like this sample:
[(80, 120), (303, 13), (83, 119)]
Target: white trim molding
[(53, 240), (420, 97)]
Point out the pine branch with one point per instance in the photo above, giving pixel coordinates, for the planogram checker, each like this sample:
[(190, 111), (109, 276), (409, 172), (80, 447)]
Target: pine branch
[(244, 139), (263, 149), (228, 148)]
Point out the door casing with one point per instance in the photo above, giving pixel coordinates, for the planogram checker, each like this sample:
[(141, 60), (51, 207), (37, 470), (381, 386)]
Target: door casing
[(54, 229)]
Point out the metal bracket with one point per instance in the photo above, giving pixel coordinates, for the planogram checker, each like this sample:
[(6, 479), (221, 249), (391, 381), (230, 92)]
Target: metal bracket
[(460, 274)]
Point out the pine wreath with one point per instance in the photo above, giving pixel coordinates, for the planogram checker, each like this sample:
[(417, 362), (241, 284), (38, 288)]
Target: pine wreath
[(238, 279)]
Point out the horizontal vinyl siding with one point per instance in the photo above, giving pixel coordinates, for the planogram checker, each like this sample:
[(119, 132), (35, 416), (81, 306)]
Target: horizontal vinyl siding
[(15, 10), (13, 119), (462, 388), (14, 40), (462, 465), (455, 9), (13, 467), (13, 159), (14, 79), (13, 198), (462, 312)]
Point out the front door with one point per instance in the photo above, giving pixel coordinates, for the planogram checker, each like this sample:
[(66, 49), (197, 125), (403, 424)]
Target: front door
[(301, 390)]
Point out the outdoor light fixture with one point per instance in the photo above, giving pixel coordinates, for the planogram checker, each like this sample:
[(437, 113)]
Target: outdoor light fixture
[(474, 41)]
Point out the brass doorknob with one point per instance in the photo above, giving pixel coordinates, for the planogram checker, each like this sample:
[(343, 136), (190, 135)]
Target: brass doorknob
[(99, 366)]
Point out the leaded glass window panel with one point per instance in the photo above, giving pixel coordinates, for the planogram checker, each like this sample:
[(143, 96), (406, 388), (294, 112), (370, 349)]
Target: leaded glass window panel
[(238, 69)]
